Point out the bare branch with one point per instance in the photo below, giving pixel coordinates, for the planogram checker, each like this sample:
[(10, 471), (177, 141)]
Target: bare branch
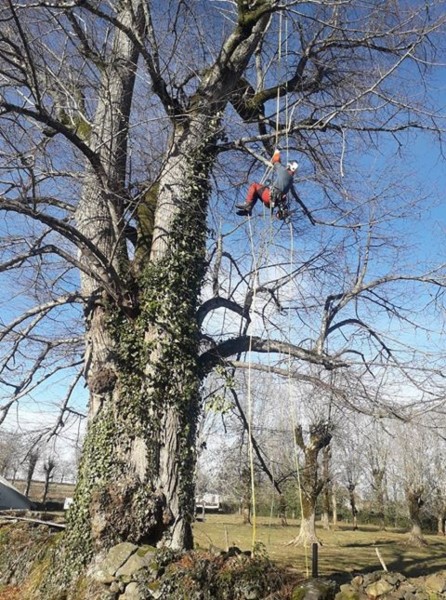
[(246, 343)]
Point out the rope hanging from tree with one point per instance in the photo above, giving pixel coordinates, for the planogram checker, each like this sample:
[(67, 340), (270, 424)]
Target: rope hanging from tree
[(255, 260)]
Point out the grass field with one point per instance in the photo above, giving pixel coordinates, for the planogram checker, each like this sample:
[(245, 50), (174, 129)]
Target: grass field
[(57, 492), (342, 553)]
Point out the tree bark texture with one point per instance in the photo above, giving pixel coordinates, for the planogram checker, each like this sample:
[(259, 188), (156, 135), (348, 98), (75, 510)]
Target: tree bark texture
[(414, 497), (310, 483), (136, 475)]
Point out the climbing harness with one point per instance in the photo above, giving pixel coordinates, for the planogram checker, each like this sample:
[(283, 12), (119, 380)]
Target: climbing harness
[(276, 197), (281, 202), (284, 213)]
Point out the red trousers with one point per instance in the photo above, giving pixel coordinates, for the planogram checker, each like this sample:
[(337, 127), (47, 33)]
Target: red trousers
[(258, 191)]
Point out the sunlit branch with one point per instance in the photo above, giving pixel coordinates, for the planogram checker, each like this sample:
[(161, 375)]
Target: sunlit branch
[(4, 409), (40, 310), (219, 354)]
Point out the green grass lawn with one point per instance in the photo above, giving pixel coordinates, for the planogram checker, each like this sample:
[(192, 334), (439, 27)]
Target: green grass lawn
[(343, 551)]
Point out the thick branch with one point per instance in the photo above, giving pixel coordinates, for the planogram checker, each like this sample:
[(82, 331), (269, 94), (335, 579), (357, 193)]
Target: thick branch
[(215, 303), (216, 356)]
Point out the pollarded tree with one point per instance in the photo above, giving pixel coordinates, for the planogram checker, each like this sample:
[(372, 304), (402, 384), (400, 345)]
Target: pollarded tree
[(31, 463), (114, 115), (416, 451), (350, 450), (311, 484), (377, 452), (48, 469)]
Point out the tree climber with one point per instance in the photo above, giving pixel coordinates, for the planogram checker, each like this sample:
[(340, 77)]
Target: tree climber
[(276, 194)]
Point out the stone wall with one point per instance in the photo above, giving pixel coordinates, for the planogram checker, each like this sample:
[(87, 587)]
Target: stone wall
[(130, 572), (379, 585)]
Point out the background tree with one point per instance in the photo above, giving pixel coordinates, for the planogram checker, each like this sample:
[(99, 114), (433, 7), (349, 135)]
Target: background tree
[(416, 461), (350, 454), (327, 491), (311, 484), (376, 456), (31, 463), (11, 454), (48, 469), (439, 498), (101, 121)]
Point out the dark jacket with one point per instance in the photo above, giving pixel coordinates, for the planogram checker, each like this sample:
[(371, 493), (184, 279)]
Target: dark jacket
[(283, 180)]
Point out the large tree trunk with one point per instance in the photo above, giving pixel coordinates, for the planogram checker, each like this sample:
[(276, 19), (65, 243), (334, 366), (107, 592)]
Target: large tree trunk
[(135, 477), (136, 474)]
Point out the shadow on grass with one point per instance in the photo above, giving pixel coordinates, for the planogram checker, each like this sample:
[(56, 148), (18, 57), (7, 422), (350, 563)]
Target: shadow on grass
[(368, 544), (410, 562), (344, 552)]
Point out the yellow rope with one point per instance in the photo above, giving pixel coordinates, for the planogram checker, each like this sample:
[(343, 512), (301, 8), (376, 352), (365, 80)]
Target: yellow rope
[(255, 263), (249, 393), (293, 420), (279, 60)]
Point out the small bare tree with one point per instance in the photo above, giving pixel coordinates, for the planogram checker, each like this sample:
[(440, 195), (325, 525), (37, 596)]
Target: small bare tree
[(31, 461), (376, 456), (48, 468), (11, 454)]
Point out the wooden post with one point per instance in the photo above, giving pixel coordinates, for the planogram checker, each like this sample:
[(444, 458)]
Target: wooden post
[(314, 567)]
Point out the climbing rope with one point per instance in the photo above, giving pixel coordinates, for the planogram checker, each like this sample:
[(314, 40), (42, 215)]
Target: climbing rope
[(255, 262), (249, 394), (288, 118), (291, 407), (279, 60)]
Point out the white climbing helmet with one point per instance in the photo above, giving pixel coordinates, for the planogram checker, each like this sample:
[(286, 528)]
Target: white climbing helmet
[(292, 166)]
